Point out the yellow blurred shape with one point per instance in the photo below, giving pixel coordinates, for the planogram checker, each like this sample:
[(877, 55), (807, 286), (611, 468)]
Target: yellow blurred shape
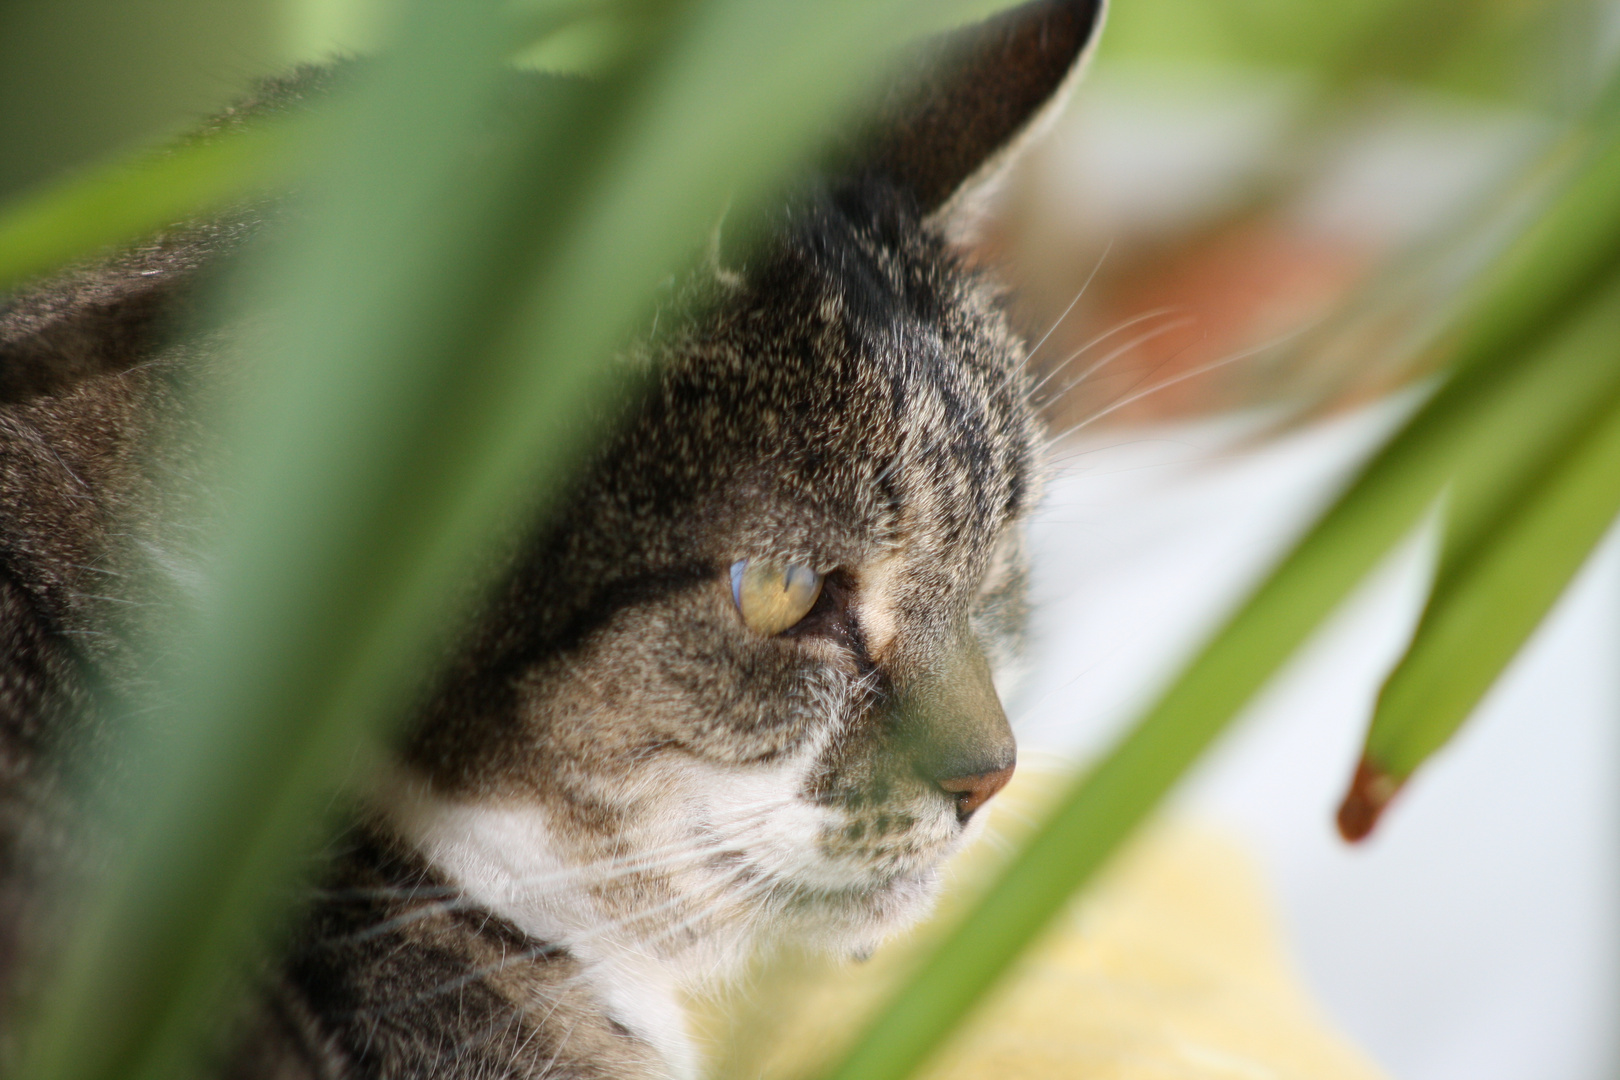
[(1169, 968)]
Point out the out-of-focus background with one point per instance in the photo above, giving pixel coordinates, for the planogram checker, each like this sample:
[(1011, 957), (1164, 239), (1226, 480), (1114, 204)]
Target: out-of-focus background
[(1261, 206), (1227, 249), (1476, 935)]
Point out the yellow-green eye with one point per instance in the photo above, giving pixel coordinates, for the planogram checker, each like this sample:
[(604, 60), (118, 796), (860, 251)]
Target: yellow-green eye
[(773, 597)]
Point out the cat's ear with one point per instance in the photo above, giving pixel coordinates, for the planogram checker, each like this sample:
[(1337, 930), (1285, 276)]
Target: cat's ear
[(960, 108)]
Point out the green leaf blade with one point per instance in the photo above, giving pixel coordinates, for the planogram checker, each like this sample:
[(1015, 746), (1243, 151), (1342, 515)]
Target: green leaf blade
[(1551, 403), (120, 202), (1568, 250), (1486, 610)]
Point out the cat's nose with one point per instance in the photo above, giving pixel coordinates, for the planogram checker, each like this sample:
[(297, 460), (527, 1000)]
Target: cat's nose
[(974, 790), (953, 727)]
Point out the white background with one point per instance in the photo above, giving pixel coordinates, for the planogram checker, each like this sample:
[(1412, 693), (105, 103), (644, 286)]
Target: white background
[(1477, 935)]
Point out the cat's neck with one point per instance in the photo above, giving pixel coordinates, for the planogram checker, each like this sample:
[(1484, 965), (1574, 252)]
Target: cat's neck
[(507, 859)]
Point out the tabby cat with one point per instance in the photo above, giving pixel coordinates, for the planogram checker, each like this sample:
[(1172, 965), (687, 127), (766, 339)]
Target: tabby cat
[(737, 691)]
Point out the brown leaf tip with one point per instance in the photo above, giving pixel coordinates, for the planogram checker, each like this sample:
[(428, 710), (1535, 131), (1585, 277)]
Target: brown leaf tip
[(1370, 792)]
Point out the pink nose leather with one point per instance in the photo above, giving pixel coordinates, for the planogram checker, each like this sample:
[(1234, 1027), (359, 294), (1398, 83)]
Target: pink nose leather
[(972, 792)]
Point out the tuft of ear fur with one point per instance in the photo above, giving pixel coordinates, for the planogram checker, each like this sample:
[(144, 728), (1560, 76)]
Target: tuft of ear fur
[(957, 113)]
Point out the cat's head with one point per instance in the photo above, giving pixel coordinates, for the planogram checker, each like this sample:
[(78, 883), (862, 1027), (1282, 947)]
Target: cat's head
[(742, 684)]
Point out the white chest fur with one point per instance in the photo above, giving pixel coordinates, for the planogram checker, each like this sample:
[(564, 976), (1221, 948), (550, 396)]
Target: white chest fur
[(505, 859)]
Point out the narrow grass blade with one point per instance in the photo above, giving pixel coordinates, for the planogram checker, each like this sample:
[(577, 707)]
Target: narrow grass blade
[(1567, 386), (1484, 608)]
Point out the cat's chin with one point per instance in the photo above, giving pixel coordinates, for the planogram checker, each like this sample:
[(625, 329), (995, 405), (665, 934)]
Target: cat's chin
[(852, 922), (870, 906), (833, 902)]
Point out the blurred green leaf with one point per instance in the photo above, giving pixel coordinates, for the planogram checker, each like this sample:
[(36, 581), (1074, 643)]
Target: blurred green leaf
[(1564, 256), (120, 202), (84, 79), (148, 964), (426, 352), (1537, 55), (1486, 607), (1276, 33), (1501, 572)]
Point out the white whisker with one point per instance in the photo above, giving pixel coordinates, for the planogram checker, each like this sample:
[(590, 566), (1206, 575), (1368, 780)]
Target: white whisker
[(1201, 369), (1083, 287), (1140, 339)]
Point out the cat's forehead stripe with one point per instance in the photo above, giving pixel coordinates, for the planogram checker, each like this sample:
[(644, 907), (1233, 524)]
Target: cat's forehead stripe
[(861, 366)]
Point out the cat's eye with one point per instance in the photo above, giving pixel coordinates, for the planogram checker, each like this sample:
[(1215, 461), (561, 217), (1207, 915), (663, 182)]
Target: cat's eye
[(773, 597)]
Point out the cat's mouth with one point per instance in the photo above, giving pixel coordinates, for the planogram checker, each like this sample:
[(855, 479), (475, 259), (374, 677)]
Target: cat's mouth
[(888, 845), (863, 876)]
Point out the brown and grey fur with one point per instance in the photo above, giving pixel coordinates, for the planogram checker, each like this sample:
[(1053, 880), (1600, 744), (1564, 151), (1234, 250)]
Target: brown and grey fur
[(615, 791)]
